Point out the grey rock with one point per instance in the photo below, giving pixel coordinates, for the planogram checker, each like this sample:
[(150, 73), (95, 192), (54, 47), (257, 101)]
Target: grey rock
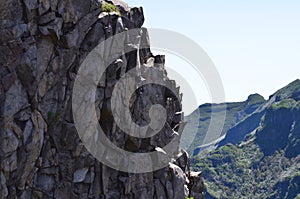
[(9, 142), (8, 80), (159, 190), (44, 6), (27, 131), (3, 187), (47, 18), (10, 163), (42, 45), (178, 181), (170, 190), (31, 4), (16, 99), (81, 29), (196, 185), (54, 26), (45, 182), (80, 175)]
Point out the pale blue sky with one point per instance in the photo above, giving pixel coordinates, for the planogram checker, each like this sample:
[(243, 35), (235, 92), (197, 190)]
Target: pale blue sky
[(255, 45)]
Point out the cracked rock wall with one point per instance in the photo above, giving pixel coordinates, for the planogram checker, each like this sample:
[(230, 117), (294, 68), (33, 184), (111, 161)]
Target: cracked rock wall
[(42, 44)]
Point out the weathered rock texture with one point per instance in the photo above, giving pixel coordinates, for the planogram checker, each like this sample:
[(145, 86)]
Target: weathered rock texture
[(42, 43)]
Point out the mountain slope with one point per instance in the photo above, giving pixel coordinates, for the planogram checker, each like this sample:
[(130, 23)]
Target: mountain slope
[(200, 120), (261, 161)]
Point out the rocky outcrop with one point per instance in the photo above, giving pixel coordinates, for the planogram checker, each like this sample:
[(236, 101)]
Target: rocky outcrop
[(42, 45)]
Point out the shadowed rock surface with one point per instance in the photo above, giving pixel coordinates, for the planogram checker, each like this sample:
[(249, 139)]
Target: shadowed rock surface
[(42, 44)]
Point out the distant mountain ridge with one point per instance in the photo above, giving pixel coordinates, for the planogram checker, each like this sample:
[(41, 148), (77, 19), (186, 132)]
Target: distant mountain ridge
[(240, 116), (259, 156), (283, 96), (235, 112)]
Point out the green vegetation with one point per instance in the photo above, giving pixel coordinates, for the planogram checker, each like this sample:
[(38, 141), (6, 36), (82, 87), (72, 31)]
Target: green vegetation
[(297, 197), (244, 172), (265, 163), (107, 7), (286, 104), (297, 106)]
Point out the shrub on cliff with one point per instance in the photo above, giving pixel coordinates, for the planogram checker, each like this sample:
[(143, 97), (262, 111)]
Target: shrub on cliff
[(107, 7)]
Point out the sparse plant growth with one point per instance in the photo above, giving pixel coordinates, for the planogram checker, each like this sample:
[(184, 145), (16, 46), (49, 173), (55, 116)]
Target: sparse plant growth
[(107, 7), (284, 104)]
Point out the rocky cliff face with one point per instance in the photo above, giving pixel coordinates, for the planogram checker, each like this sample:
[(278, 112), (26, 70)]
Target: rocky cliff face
[(42, 45)]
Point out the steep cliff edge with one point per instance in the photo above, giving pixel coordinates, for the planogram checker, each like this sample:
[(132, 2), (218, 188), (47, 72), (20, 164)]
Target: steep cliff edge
[(42, 45)]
